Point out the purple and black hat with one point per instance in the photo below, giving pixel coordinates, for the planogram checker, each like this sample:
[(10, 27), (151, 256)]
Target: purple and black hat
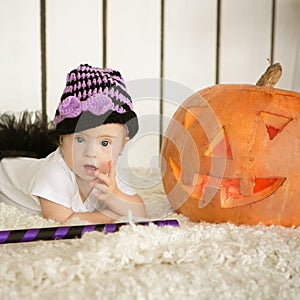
[(93, 97)]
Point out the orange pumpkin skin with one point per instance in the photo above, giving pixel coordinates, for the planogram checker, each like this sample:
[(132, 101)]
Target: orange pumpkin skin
[(235, 157)]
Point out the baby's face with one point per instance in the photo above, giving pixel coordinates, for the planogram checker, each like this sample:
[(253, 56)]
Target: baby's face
[(92, 149)]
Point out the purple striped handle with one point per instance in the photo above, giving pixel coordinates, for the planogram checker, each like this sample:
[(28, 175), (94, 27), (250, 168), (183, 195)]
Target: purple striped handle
[(68, 232)]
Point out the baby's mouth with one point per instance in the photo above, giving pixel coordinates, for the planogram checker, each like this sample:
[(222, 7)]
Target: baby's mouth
[(90, 169)]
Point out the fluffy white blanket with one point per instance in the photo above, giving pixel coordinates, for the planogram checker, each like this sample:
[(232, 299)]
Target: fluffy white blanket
[(193, 261)]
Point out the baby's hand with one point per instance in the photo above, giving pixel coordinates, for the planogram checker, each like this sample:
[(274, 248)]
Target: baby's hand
[(106, 185), (118, 202)]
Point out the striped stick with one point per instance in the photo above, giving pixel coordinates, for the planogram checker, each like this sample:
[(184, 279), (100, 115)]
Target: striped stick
[(67, 232)]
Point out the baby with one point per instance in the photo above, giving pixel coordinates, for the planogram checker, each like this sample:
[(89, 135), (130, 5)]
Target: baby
[(93, 122)]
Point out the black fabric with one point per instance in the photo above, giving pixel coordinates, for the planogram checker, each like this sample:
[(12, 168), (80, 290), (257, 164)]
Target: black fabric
[(25, 135)]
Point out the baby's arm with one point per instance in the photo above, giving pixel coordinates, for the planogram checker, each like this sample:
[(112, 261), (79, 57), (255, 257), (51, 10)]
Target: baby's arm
[(60, 213), (119, 202)]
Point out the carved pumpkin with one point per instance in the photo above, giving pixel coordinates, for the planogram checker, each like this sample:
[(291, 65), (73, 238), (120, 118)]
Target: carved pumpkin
[(231, 153)]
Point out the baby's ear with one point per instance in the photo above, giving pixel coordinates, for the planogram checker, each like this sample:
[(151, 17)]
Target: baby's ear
[(125, 141)]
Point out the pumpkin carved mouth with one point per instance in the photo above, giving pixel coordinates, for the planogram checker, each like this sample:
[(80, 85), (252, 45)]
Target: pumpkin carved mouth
[(204, 187)]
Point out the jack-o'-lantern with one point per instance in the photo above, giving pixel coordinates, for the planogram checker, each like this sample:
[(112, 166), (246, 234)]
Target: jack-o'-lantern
[(231, 153)]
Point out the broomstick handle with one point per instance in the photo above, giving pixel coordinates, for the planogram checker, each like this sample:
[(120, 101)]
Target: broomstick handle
[(68, 232)]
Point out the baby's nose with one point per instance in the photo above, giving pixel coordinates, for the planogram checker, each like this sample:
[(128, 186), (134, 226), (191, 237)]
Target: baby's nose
[(90, 150)]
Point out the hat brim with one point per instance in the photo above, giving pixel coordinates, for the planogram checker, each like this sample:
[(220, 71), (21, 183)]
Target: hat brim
[(88, 120)]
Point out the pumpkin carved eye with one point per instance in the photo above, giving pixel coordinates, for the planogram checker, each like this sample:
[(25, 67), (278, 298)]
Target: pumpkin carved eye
[(274, 123), (191, 116), (219, 146)]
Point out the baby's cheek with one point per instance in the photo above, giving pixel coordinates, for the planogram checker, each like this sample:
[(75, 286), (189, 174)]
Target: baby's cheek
[(116, 152), (103, 166), (105, 157)]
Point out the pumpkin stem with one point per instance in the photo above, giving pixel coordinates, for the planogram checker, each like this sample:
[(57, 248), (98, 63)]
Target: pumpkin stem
[(271, 76)]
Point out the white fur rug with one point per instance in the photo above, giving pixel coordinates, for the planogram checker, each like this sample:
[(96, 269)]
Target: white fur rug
[(193, 261)]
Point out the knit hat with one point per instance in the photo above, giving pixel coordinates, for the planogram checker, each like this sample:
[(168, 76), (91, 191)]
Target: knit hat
[(93, 97)]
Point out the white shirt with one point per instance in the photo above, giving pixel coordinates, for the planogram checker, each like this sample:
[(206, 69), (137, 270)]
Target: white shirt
[(23, 180)]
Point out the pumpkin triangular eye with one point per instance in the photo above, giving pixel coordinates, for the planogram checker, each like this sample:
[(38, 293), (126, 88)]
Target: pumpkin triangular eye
[(274, 123), (175, 168), (219, 146), (191, 116)]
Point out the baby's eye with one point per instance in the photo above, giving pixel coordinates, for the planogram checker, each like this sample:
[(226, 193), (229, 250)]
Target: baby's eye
[(105, 143), (79, 139)]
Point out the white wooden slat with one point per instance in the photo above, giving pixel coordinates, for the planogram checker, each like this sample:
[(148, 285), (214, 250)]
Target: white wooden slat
[(190, 39), (245, 40), (74, 36), (133, 48), (287, 43), (190, 42), (20, 56)]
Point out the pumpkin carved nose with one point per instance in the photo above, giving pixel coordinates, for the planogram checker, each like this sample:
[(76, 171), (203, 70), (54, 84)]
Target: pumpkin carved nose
[(219, 146)]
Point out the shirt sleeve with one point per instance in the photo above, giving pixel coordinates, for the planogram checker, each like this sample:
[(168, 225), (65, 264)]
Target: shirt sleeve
[(55, 184)]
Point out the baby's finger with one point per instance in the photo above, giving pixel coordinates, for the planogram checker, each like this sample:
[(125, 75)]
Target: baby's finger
[(111, 170), (95, 181), (104, 179), (101, 188), (102, 193)]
